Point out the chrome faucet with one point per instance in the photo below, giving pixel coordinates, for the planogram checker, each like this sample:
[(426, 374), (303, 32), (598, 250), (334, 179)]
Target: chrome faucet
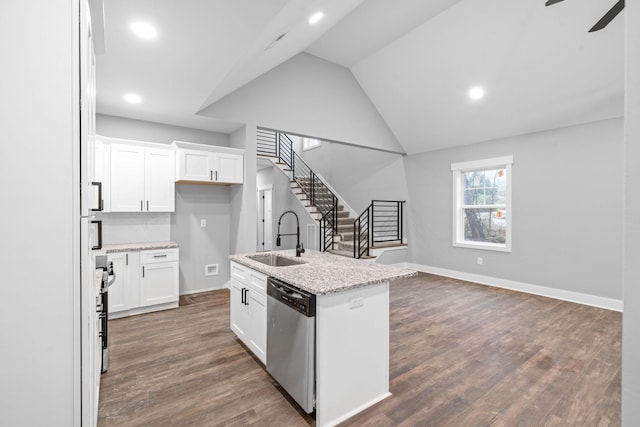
[(299, 246)]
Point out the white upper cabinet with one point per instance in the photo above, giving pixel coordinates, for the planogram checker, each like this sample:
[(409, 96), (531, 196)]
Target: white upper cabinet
[(137, 176), (208, 164), (159, 180), (127, 178)]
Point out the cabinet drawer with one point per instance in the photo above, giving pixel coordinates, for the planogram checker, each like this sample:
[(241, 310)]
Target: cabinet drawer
[(258, 282), (239, 272), (158, 255)]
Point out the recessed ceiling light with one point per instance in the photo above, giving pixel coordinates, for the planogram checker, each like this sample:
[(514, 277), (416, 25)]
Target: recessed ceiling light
[(476, 93), (132, 98), (315, 18), (144, 30)]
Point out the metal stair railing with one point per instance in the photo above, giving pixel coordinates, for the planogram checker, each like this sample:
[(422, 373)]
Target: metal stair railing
[(381, 222), (278, 145)]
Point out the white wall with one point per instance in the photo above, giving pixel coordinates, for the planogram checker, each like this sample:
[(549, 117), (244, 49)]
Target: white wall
[(309, 96), (133, 227), (244, 206), (567, 209), (39, 215), (631, 317), (140, 130), (198, 246), (284, 200), (359, 175)]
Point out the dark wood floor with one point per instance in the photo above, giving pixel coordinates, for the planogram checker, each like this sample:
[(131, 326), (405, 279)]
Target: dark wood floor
[(460, 355)]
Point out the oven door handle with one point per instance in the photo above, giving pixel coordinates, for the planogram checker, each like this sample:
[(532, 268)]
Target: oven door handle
[(111, 279)]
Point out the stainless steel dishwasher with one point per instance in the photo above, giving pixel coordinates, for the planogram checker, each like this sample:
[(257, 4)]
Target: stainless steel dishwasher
[(291, 340)]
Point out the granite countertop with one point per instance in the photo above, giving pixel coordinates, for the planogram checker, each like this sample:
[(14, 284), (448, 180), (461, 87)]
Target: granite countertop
[(139, 246), (325, 273)]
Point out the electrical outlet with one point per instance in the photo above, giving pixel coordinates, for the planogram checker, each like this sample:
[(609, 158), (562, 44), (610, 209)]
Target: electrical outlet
[(479, 260), (203, 223)]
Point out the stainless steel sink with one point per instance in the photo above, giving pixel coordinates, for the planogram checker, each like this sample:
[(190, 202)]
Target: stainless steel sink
[(274, 260)]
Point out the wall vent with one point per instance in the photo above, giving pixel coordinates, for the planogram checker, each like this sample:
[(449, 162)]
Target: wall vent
[(211, 270)]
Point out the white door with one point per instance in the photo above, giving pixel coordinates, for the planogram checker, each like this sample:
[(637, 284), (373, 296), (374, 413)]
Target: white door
[(239, 310), (229, 167), (159, 180), (159, 283), (265, 218), (127, 178), (258, 316), (195, 165)]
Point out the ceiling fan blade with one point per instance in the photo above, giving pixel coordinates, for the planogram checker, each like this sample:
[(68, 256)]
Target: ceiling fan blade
[(608, 17), (552, 2)]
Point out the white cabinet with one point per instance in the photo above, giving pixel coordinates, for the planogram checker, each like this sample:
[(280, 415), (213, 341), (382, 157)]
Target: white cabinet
[(258, 314), (208, 164), (142, 179), (127, 178), (239, 310), (159, 282), (249, 308), (124, 290), (145, 281), (229, 167)]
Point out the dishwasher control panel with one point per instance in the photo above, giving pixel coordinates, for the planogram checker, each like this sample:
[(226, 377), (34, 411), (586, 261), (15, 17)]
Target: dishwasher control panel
[(299, 300)]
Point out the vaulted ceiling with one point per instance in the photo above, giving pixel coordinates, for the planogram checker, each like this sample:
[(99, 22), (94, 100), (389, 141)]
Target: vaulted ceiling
[(414, 59)]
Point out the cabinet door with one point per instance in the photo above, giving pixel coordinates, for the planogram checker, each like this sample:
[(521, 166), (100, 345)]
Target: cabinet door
[(159, 180), (127, 178), (229, 167), (124, 292), (258, 327), (239, 310), (159, 283), (195, 165)]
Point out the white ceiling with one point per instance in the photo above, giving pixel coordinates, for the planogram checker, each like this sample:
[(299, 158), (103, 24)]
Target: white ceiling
[(540, 66), (415, 59), (205, 49)]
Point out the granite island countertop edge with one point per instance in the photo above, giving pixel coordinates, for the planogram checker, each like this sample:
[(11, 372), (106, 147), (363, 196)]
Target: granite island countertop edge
[(325, 273)]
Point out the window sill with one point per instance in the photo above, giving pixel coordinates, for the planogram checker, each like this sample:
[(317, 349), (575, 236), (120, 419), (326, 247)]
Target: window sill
[(483, 246)]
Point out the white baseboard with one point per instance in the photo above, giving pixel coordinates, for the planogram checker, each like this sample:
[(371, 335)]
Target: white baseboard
[(212, 288), (357, 410), (580, 298)]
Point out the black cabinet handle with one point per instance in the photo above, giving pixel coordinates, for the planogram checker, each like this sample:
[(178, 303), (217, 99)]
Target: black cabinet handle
[(242, 296), (143, 271), (210, 175), (141, 208), (99, 245), (126, 256), (216, 175), (100, 201), (246, 296), (147, 205)]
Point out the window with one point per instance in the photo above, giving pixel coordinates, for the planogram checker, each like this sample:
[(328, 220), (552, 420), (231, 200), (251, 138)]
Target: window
[(482, 204), (310, 143)]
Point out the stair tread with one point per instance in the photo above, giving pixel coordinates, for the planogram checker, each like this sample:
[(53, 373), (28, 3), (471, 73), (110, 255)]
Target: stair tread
[(387, 245)]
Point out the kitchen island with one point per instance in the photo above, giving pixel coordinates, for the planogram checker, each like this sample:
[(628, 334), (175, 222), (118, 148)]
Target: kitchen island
[(351, 324)]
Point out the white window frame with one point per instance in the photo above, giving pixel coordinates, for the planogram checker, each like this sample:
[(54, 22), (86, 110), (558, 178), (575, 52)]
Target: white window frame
[(458, 214), (310, 143)]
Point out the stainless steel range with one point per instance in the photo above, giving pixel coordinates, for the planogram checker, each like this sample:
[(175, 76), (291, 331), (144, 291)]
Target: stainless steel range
[(108, 276)]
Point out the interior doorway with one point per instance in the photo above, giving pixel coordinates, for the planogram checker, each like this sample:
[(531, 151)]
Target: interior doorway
[(265, 218)]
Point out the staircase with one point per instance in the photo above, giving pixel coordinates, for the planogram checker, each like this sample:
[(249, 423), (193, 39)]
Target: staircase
[(339, 232)]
